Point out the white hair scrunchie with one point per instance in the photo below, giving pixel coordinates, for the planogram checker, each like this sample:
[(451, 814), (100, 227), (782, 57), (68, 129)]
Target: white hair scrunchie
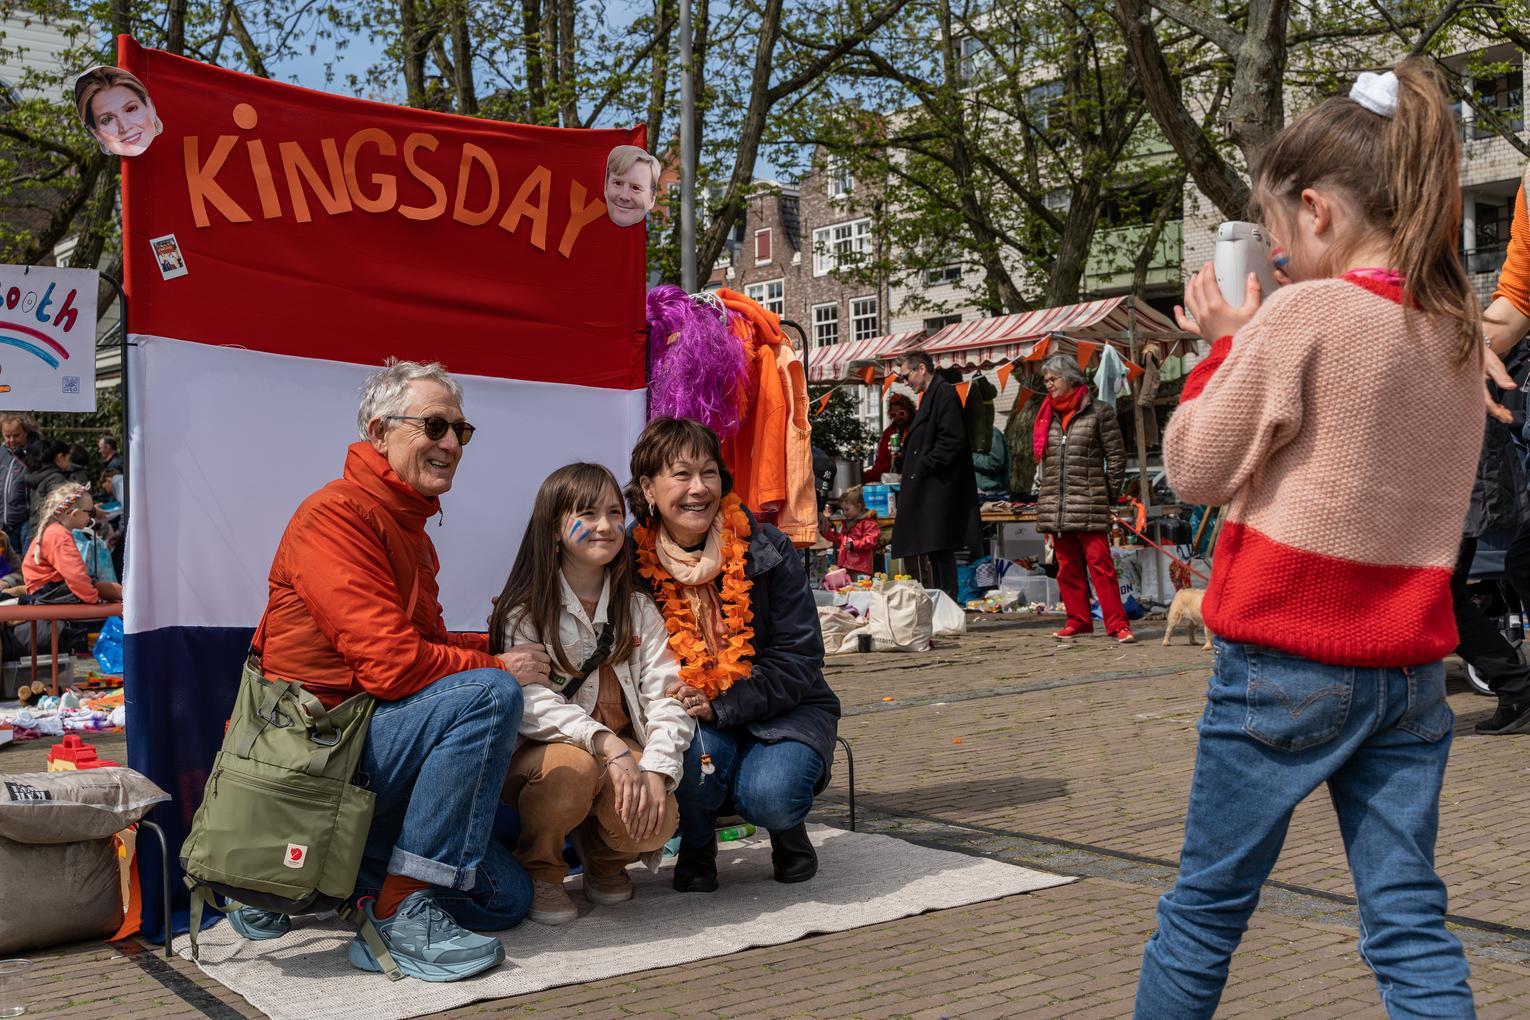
[(1376, 92)]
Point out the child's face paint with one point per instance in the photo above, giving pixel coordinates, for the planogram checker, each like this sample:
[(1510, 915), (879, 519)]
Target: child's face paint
[(595, 535)]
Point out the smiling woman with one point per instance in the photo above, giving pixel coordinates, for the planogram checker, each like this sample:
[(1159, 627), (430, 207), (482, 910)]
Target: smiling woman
[(742, 622), (116, 109)]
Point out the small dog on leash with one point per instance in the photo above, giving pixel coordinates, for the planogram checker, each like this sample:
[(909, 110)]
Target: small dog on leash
[(1186, 609)]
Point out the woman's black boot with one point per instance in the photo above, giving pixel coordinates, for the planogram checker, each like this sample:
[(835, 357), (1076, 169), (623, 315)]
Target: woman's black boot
[(792, 854), (696, 867)]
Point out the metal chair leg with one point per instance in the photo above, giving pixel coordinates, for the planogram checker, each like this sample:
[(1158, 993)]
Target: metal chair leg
[(164, 878), (850, 776)]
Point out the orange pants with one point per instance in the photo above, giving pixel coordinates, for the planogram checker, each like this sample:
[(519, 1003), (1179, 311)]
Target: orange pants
[(561, 787)]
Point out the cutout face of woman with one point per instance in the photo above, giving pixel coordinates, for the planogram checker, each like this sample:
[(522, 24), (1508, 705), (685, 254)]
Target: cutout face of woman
[(125, 123)]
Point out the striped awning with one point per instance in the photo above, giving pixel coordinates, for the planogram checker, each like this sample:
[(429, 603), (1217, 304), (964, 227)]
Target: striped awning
[(988, 342), (837, 363)]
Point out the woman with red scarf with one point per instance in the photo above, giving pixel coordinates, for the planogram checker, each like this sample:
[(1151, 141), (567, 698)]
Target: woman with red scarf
[(1081, 459)]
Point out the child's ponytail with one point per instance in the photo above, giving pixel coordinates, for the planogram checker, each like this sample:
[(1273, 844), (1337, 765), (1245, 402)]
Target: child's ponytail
[(1398, 159), (1423, 178)]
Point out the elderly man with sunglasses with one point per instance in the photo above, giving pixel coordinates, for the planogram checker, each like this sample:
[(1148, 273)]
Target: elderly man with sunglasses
[(354, 607)]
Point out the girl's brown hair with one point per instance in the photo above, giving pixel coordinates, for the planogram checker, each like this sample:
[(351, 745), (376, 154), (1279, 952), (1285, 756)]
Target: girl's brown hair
[(532, 591), (1403, 175)]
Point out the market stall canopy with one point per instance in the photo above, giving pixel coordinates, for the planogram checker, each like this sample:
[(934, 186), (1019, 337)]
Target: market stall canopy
[(839, 362), (984, 343)]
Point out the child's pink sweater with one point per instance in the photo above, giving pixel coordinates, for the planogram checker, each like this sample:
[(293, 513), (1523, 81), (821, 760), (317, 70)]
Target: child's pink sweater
[(1343, 440)]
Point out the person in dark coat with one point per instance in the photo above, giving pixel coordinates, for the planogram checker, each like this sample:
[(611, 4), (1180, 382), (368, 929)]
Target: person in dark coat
[(937, 510), (1077, 443), (1498, 506), (766, 719)]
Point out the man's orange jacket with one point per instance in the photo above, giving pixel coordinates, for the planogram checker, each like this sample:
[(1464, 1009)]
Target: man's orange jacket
[(354, 602)]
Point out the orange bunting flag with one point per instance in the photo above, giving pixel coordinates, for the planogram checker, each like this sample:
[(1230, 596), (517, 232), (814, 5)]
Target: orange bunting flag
[(1133, 371), (961, 391), (887, 381), (1005, 371), (1040, 350), (1086, 351), (823, 402), (868, 374), (1024, 397)]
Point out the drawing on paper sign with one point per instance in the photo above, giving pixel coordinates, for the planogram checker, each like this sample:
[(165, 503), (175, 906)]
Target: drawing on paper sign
[(48, 338), (167, 255)]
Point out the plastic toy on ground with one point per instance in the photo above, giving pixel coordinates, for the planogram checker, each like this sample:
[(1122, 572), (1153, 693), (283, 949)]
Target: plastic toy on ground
[(74, 753)]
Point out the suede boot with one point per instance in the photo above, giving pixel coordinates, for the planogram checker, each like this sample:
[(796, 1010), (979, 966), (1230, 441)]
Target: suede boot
[(792, 854)]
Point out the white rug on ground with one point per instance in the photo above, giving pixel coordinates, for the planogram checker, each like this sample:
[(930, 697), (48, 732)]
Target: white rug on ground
[(862, 879)]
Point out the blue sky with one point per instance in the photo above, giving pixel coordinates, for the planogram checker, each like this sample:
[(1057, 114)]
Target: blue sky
[(358, 56)]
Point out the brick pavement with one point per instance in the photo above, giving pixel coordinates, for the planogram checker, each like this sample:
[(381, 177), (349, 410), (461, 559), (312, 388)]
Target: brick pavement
[(1074, 760)]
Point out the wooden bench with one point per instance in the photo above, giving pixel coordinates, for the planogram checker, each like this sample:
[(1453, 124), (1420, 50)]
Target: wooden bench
[(61, 612)]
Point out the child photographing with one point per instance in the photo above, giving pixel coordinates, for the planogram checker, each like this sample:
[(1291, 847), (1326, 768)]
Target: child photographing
[(856, 539), (1331, 598)]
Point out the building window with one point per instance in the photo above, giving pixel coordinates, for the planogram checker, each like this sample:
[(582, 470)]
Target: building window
[(951, 272), (1041, 102), (1503, 95), (841, 181), (975, 60), (825, 325), (762, 246), (940, 322), (864, 321), (771, 295), (841, 245)]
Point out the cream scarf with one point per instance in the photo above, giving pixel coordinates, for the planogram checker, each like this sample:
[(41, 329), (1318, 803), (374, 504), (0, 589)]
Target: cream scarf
[(696, 571)]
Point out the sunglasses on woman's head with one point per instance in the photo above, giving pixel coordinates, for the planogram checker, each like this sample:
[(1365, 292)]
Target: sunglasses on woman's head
[(435, 426)]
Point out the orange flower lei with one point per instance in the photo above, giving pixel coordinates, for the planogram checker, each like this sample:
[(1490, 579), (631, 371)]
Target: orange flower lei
[(708, 673)]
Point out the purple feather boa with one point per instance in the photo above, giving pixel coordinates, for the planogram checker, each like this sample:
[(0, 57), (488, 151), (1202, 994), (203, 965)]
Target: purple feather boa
[(696, 367)]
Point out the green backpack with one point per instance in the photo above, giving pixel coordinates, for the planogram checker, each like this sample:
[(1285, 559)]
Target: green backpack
[(282, 827)]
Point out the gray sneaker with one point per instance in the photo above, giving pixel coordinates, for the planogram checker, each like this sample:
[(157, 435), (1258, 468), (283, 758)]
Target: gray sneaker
[(427, 944), (258, 925)]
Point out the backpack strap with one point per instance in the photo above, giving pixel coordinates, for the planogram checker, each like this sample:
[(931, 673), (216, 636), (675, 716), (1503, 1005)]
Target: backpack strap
[(373, 938)]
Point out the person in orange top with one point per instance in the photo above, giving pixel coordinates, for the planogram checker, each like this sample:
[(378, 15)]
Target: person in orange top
[(1505, 321), (53, 569), (354, 607)]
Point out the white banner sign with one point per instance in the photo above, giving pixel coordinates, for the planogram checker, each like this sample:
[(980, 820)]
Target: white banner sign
[(47, 339)]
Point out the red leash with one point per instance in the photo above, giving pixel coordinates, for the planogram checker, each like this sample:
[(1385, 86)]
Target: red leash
[(1129, 527)]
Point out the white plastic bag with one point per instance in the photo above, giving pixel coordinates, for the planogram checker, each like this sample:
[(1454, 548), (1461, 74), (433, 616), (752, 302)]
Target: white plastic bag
[(948, 619), (900, 617)]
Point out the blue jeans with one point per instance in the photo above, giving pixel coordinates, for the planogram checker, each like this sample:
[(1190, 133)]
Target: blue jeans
[(770, 785), (435, 761), (1275, 726)]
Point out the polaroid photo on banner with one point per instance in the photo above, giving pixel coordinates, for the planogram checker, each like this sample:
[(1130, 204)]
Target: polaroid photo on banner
[(167, 255)]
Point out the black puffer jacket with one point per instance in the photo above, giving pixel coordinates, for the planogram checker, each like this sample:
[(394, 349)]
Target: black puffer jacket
[(1082, 472)]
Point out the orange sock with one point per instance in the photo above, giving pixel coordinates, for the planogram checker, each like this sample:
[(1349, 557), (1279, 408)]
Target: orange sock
[(395, 890)]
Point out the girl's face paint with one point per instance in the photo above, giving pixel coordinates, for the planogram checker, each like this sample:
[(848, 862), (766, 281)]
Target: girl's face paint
[(595, 535)]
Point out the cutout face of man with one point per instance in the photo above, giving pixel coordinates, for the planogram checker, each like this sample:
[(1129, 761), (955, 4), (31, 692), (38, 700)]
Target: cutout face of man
[(630, 196), (125, 123)]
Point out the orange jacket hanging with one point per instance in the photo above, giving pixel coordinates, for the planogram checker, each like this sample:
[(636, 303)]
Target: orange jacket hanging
[(756, 456)]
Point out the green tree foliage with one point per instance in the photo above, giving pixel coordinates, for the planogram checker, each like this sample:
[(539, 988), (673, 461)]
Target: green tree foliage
[(838, 429)]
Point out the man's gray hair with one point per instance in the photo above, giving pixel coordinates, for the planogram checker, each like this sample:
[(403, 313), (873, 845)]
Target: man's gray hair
[(1064, 366), (386, 391)]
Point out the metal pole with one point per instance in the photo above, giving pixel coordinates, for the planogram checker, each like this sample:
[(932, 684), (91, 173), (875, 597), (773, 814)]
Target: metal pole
[(687, 154)]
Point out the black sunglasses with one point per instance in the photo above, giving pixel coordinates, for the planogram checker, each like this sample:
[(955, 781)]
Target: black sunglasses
[(435, 426)]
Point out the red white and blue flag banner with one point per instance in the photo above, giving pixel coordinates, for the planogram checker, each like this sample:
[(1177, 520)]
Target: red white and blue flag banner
[(280, 243), (47, 338)]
